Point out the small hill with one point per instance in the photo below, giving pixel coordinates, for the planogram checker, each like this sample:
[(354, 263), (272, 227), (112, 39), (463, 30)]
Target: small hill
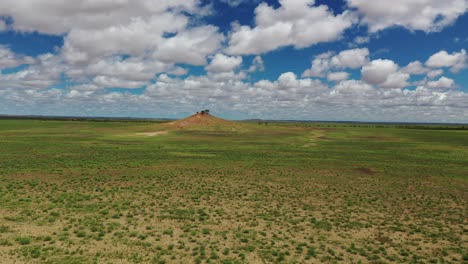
[(201, 121), (204, 121)]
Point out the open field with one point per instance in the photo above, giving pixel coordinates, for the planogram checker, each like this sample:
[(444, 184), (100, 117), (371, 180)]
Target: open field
[(106, 192)]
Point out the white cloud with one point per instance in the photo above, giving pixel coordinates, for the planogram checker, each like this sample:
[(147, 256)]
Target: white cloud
[(426, 15), (112, 43), (85, 87), (3, 25), (287, 78), (352, 86), (352, 58), (45, 72), (132, 44), (443, 82), (361, 40), (320, 66), (227, 76), (59, 17), (305, 98), (396, 80), (435, 73), (456, 61), (377, 71), (288, 81), (178, 71), (236, 3), (384, 73), (134, 69), (337, 76), (116, 82), (415, 68), (131, 72), (296, 23), (134, 37), (8, 59), (163, 30), (223, 63), (257, 64), (191, 46)]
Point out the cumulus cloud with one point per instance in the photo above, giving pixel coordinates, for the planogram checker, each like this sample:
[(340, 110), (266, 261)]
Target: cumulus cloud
[(415, 68), (116, 82), (443, 82), (361, 40), (352, 86), (191, 46), (143, 44), (295, 23), (236, 3), (289, 86), (455, 61), (257, 64), (435, 73), (134, 69), (337, 76), (178, 71), (46, 71), (384, 73), (223, 63), (3, 25), (307, 98), (396, 80), (8, 59), (59, 17), (426, 15), (121, 72), (320, 65), (162, 30), (113, 43), (85, 44), (84, 87), (352, 58), (225, 68)]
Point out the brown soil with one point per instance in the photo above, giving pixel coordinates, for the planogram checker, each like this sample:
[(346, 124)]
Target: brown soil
[(367, 171), (204, 122), (373, 137)]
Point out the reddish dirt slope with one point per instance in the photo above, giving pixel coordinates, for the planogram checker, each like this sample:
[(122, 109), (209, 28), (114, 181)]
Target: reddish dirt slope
[(205, 122)]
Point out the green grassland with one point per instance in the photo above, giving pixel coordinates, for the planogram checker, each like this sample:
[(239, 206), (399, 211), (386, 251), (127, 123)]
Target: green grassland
[(100, 192)]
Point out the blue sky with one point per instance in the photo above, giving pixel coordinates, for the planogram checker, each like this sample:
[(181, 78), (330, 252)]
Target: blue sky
[(358, 60)]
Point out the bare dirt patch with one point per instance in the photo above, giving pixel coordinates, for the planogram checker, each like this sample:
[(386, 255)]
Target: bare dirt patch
[(45, 177), (373, 137), (367, 171), (205, 122), (152, 134)]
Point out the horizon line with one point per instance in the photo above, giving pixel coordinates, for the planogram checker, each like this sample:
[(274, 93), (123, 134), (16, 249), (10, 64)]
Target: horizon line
[(127, 118)]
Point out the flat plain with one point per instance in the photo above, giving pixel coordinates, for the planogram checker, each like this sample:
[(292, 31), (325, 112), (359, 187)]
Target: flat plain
[(125, 192)]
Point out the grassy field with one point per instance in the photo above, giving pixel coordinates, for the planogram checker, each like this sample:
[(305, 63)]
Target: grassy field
[(101, 192)]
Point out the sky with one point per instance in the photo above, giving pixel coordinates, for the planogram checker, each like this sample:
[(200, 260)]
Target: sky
[(335, 60)]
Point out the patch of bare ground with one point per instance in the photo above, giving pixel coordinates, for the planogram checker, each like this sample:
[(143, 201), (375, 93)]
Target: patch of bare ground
[(204, 121), (46, 177), (153, 134), (367, 171), (378, 138)]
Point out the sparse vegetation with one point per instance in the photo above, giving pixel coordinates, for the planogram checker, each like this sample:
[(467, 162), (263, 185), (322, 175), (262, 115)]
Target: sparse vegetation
[(85, 192)]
